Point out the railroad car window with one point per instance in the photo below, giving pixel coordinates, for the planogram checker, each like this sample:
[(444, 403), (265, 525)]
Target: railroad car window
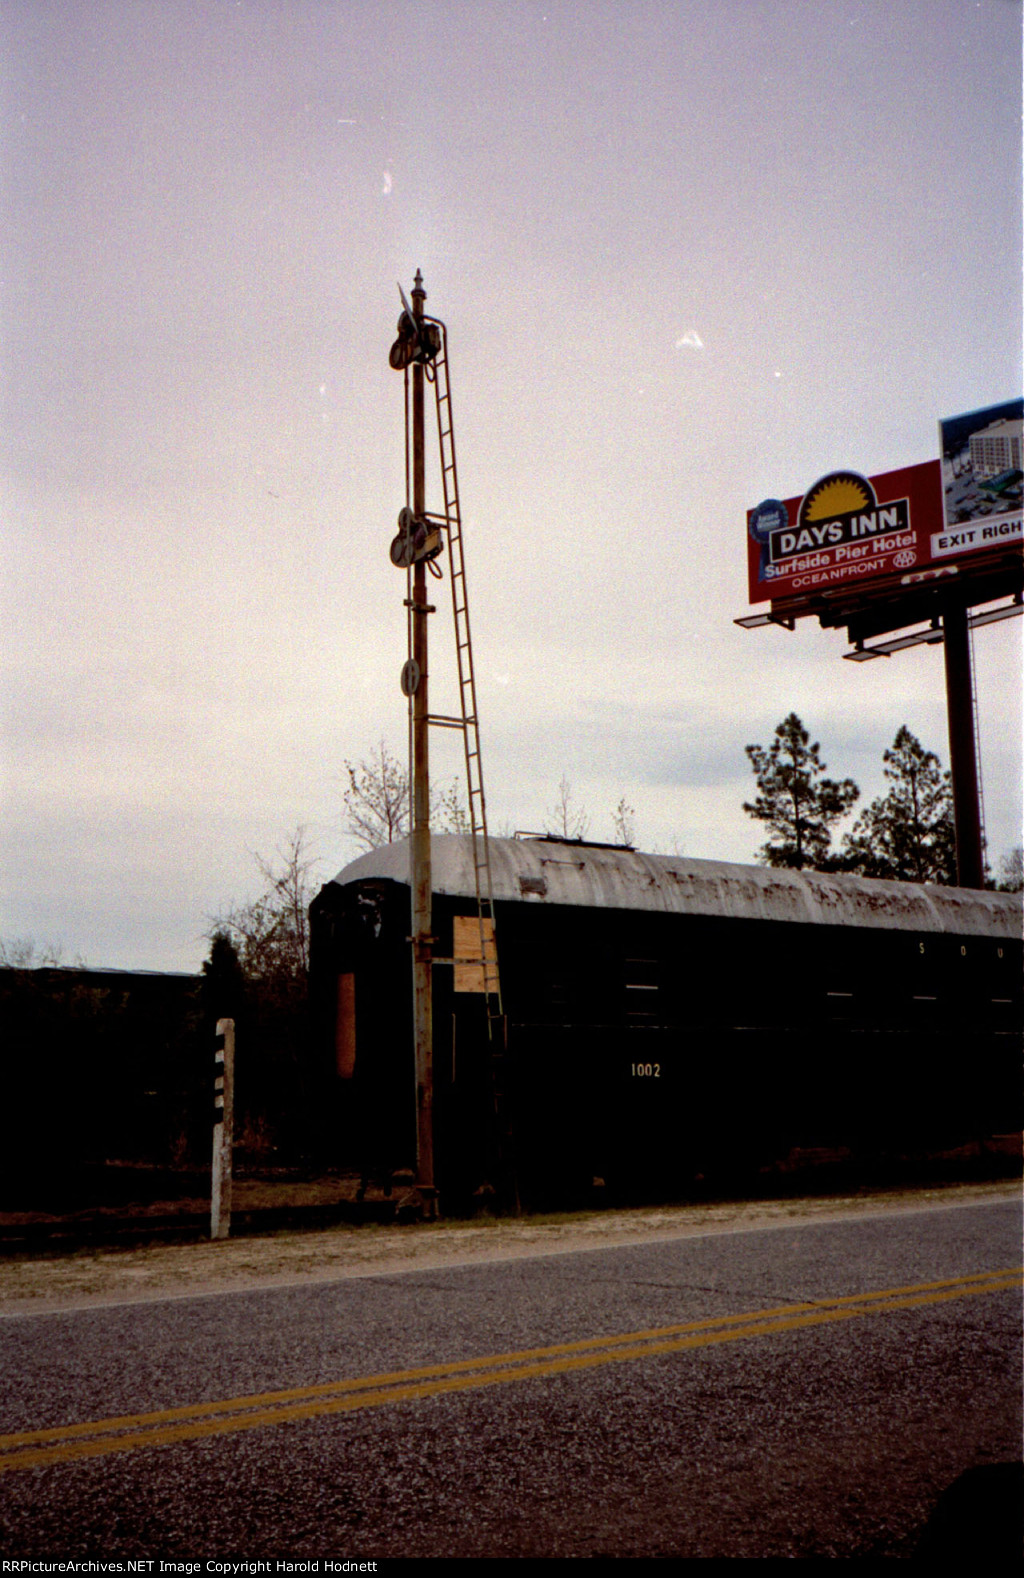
[(345, 1027), (642, 1010), (641, 985), (641, 974)]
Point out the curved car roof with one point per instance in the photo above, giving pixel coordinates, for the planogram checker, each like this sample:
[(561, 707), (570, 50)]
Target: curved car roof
[(553, 871)]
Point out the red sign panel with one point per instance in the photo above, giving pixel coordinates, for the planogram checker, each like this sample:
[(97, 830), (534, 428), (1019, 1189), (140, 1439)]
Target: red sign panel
[(850, 531)]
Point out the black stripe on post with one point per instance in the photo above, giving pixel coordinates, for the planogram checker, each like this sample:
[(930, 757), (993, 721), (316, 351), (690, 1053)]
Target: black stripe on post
[(218, 1116), (218, 1042), (218, 1069)]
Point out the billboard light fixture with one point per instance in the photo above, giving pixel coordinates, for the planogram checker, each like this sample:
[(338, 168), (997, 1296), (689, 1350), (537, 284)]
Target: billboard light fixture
[(930, 637), (758, 621)]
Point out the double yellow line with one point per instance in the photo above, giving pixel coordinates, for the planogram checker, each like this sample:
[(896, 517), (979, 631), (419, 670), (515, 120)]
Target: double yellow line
[(167, 1426)]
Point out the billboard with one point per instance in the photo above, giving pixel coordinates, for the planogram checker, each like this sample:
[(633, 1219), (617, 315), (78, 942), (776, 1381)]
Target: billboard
[(982, 473), (846, 530), (897, 529)]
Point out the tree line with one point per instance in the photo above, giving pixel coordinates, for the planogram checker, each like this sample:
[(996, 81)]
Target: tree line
[(377, 806), (258, 965), (257, 968), (906, 834)]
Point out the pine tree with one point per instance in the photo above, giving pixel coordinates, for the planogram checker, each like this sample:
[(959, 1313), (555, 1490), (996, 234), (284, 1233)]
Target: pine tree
[(907, 835), (223, 978), (796, 801)]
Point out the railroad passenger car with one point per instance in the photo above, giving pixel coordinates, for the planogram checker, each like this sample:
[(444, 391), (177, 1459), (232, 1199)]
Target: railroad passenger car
[(667, 1018)]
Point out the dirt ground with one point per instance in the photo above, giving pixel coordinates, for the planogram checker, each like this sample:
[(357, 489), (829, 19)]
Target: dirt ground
[(33, 1285)]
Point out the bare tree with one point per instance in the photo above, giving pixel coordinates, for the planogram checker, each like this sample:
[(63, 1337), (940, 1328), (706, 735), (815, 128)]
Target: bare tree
[(1011, 871), (569, 818), (377, 799), (624, 823), (270, 933), (25, 953), (258, 974), (448, 813)]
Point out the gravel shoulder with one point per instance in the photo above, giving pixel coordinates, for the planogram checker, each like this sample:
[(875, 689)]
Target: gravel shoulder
[(86, 1278)]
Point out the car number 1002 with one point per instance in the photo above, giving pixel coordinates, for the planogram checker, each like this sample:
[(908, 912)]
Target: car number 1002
[(646, 1070)]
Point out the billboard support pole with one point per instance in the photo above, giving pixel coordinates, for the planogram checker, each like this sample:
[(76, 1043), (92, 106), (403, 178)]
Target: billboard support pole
[(962, 756)]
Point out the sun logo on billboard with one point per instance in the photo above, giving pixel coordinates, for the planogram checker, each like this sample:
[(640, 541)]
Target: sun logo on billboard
[(841, 493)]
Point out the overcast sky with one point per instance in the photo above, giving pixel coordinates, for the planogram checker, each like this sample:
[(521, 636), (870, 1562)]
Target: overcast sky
[(691, 253)]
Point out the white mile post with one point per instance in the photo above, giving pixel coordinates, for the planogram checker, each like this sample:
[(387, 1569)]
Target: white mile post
[(223, 1128)]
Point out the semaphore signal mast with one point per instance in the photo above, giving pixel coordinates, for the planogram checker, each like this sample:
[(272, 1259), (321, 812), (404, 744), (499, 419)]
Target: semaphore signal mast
[(420, 353)]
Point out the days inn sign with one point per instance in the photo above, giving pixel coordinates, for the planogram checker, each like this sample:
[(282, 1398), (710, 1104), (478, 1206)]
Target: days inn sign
[(846, 529), (854, 532)]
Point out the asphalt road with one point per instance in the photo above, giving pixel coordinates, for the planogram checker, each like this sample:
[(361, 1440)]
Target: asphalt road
[(805, 1390)]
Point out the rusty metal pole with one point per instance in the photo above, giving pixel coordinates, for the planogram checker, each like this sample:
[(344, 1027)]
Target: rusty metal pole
[(223, 1128), (962, 756), (422, 885)]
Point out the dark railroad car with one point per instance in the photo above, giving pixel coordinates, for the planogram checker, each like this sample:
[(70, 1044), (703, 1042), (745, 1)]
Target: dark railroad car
[(668, 1018), (105, 1060)]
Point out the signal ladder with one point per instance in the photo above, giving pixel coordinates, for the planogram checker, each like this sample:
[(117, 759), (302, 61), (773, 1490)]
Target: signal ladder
[(436, 372)]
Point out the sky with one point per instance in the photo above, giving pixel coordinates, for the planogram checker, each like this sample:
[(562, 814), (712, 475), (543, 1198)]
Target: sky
[(690, 253)]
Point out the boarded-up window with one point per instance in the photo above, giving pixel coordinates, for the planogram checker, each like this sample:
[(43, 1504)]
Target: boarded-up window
[(469, 977), (345, 1027)]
